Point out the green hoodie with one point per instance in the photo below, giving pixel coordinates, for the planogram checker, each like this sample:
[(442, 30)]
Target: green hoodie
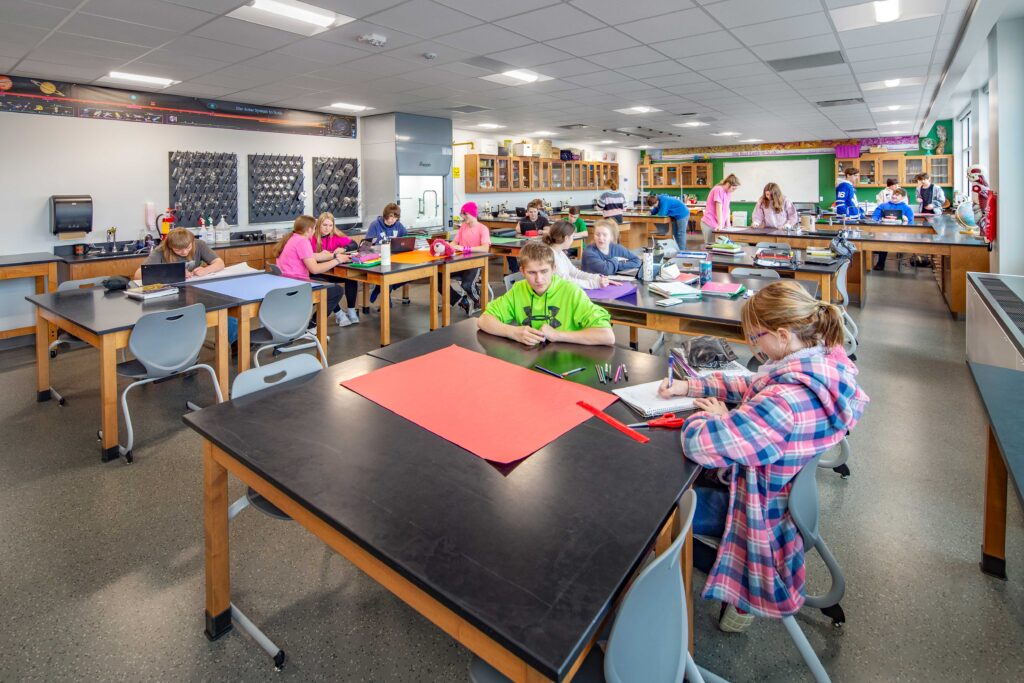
[(564, 306)]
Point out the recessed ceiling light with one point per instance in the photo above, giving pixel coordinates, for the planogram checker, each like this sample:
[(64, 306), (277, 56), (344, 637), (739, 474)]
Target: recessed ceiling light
[(689, 124), (638, 109), (489, 126), (893, 107), (521, 75), (892, 82), (542, 132), (892, 123), (403, 138), (887, 10), (725, 133), (350, 107), (139, 78), (644, 147), (606, 142), (290, 15), (752, 140)]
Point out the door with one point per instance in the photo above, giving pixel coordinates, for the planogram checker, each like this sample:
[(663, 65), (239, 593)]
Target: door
[(890, 166), (517, 177), (672, 176), (503, 174), (485, 174)]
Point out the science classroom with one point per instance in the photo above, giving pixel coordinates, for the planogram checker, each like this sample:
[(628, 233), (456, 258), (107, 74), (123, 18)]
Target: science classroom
[(451, 340)]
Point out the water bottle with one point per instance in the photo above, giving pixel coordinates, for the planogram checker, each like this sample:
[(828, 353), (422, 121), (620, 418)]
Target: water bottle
[(647, 265), (385, 253)]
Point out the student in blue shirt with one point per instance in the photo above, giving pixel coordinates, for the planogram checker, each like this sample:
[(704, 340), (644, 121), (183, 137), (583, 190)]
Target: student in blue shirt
[(605, 256), (671, 207), (897, 203), (386, 225), (846, 194)]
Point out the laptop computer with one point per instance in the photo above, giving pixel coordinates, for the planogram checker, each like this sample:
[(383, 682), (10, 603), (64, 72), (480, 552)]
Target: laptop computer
[(892, 214), (520, 211), (400, 244), (163, 273)]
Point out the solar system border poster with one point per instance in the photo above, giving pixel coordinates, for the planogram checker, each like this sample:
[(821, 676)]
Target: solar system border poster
[(56, 98)]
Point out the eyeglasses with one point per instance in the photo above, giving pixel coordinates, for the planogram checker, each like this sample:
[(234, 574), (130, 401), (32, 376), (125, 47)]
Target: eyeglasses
[(753, 338)]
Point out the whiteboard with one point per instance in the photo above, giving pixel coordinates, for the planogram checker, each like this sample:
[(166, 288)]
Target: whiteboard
[(798, 178)]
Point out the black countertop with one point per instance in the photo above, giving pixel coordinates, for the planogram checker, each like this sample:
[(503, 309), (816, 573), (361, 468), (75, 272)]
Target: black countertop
[(533, 554), (946, 233), (28, 259), (1004, 296), (1001, 391), (101, 312)]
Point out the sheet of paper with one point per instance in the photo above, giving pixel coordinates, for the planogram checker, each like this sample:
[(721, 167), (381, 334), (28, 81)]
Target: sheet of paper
[(251, 288), (531, 410), (237, 269), (611, 292), (414, 257)]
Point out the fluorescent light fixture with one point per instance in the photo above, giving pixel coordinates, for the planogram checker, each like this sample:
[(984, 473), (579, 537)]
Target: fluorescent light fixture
[(892, 83), (403, 138), (893, 107), (139, 78), (638, 109), (606, 142), (644, 147), (521, 75), (892, 123), (752, 140), (887, 10), (489, 126), (542, 132), (726, 133), (299, 11), (350, 107), (689, 124)]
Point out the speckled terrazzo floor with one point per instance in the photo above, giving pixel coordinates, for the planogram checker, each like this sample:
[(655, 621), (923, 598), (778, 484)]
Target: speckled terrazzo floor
[(101, 564)]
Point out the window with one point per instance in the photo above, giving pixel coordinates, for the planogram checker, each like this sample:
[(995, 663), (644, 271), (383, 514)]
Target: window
[(966, 150)]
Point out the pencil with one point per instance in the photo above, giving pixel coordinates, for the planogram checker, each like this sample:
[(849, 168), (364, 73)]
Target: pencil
[(550, 372), (572, 372)]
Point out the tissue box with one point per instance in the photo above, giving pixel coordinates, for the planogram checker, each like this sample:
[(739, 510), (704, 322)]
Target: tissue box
[(522, 149)]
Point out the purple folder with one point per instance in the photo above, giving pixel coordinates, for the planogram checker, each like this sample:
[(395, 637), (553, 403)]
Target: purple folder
[(616, 291)]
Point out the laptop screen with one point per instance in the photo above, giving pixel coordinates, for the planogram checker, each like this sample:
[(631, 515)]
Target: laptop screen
[(892, 213), (163, 273)]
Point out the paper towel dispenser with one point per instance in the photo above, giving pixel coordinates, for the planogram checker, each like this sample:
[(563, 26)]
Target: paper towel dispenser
[(70, 213)]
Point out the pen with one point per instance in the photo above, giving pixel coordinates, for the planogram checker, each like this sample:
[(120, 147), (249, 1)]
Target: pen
[(670, 358), (550, 372), (625, 372), (572, 372), (600, 377)]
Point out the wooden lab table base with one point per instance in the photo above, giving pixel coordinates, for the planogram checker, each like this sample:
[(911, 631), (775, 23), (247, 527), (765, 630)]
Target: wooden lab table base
[(446, 268), (108, 345), (385, 281), (216, 466), (245, 314), (670, 324), (993, 545), (45, 275)]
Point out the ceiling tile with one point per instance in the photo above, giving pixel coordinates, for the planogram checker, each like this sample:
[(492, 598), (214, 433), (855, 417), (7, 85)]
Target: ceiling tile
[(653, 70), (682, 77), (432, 76), (210, 49), (120, 31), (197, 90), (629, 57), (831, 73), (785, 29), (176, 70), (893, 50), (378, 65), (150, 13), (568, 67), (732, 13), (349, 33), (275, 61), (715, 41), (814, 45), (424, 18), (235, 80), (71, 71), (551, 22), (597, 78), (246, 33), (31, 14), (443, 54), (862, 16), (20, 38), (529, 55), (896, 32), (322, 51), (885, 64), (484, 39), (93, 46), (592, 42), (673, 26), (352, 8), (717, 60), (738, 70), (54, 56), (492, 10)]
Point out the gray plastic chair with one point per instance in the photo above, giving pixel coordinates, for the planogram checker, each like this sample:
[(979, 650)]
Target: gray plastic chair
[(273, 269), (248, 382), (511, 279), (649, 634), (285, 314), (844, 268), (164, 344), (66, 340), (764, 273)]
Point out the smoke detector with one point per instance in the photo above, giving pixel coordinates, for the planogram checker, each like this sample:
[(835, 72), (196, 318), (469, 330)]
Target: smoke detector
[(374, 39), (429, 55)]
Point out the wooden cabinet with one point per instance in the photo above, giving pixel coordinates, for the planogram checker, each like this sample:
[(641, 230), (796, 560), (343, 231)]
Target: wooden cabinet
[(875, 169), (911, 167), (662, 176), (502, 174), (253, 255), (487, 173), (940, 167), (480, 173), (82, 270), (557, 169), (695, 175)]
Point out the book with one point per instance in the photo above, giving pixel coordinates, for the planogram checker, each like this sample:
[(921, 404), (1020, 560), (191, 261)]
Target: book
[(726, 289), (146, 292), (675, 289), (644, 399), (691, 254)]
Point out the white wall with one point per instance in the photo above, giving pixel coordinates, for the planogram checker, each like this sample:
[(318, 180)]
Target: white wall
[(122, 165), (1006, 140), (627, 160)]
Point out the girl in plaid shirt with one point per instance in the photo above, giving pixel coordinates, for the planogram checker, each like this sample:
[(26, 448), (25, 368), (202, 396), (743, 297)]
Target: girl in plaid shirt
[(801, 402)]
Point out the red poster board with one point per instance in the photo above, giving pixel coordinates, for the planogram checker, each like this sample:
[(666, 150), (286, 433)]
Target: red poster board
[(496, 410)]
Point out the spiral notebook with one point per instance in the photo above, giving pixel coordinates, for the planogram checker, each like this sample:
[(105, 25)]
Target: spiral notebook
[(644, 399)]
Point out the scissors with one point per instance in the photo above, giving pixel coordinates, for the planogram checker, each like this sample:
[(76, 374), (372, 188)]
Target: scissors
[(666, 421)]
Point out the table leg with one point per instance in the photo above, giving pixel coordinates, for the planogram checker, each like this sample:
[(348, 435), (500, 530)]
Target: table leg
[(433, 299), (108, 398), (222, 351), (48, 283), (687, 563), (485, 282), (42, 357), (634, 338), (321, 318), (244, 337), (993, 545), (215, 545), (385, 313), (366, 297), (446, 309)]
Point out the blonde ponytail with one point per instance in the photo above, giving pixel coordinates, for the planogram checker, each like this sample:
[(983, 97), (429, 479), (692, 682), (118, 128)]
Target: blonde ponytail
[(785, 304)]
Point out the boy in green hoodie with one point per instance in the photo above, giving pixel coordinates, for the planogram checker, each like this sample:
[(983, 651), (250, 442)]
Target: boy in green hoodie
[(543, 307)]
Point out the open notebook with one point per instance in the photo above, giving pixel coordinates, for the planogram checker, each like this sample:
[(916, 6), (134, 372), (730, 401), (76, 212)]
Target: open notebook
[(644, 399)]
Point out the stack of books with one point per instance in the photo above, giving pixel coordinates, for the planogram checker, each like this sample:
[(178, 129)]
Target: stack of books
[(727, 248), (729, 290), (146, 292), (676, 290), (818, 255)]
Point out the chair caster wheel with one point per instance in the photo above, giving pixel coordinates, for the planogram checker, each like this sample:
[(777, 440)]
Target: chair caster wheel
[(366, 310), (53, 354), (129, 458), (99, 435), (279, 660), (406, 301), (843, 471), (61, 401)]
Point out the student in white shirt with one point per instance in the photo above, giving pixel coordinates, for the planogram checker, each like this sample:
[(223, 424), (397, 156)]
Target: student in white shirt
[(773, 210), (560, 238)]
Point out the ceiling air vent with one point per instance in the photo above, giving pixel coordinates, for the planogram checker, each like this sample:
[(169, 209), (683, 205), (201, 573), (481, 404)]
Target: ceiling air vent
[(841, 103), (469, 109), (806, 62), (861, 130), (574, 126)]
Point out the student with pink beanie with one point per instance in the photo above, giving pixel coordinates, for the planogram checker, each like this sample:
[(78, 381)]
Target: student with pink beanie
[(472, 237)]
